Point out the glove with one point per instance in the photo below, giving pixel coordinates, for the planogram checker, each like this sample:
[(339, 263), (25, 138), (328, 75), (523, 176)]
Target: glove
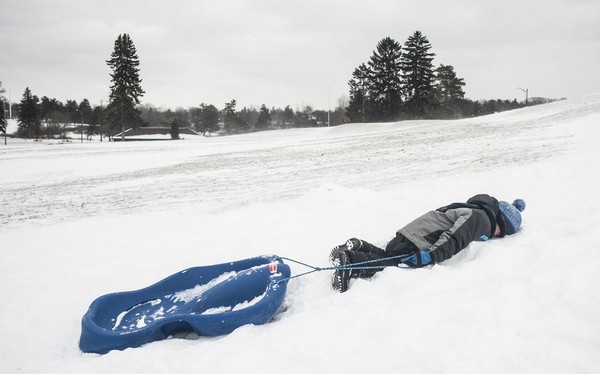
[(417, 260)]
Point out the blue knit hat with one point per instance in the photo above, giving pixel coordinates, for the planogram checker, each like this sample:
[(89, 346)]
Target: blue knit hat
[(509, 218)]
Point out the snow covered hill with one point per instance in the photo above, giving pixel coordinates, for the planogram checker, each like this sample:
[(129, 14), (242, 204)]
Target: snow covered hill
[(81, 220)]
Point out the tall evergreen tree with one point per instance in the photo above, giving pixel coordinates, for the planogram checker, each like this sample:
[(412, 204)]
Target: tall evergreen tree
[(50, 108), (447, 85), (385, 79), (449, 94), (72, 110), (210, 118), (288, 116), (175, 129), (207, 118), (264, 118), (231, 120), (85, 111), (230, 117), (359, 101), (246, 117), (126, 88), (417, 74), (96, 122), (29, 122)]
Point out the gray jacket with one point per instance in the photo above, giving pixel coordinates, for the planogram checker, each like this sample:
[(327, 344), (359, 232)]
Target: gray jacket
[(448, 230)]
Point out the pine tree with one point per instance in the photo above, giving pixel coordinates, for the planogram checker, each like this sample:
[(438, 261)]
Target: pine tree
[(126, 86), (264, 118), (447, 85), (231, 120), (207, 119), (449, 94), (230, 117), (28, 123), (247, 116), (359, 101), (175, 129), (96, 122), (288, 116), (85, 111), (417, 74), (49, 108), (385, 79), (72, 110)]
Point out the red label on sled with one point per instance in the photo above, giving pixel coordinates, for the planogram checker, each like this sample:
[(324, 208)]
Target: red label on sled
[(273, 267)]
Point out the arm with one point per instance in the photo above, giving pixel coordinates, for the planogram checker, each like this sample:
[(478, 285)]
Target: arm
[(469, 225)]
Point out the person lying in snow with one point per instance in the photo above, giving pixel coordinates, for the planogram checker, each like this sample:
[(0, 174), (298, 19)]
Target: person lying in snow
[(434, 237)]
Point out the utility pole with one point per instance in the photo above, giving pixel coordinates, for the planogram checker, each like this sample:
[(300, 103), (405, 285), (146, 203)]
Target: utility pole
[(328, 108), (526, 94), (362, 92), (5, 120), (81, 127), (101, 118), (9, 105)]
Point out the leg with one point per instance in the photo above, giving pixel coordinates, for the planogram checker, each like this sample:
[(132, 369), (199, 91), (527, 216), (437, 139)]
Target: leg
[(361, 251), (357, 245), (356, 251), (371, 268), (363, 246), (400, 246)]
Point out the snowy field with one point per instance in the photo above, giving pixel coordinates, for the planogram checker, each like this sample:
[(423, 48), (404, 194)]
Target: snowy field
[(81, 220)]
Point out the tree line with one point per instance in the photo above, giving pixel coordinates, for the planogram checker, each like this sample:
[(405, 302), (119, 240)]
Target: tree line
[(207, 118), (401, 82), (50, 118), (396, 83)]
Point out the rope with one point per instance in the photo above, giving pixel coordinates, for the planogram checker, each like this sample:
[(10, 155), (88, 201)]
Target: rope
[(341, 267)]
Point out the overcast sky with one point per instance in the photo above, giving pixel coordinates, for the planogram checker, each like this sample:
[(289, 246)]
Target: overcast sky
[(281, 52)]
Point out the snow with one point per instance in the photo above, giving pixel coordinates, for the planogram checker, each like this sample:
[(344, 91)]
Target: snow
[(82, 220), (141, 321), (240, 306), (195, 293)]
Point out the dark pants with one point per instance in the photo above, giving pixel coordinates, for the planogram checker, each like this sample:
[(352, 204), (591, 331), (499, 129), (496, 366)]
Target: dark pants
[(396, 247)]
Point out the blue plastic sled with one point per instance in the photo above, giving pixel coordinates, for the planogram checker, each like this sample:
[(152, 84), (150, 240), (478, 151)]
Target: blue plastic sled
[(208, 300)]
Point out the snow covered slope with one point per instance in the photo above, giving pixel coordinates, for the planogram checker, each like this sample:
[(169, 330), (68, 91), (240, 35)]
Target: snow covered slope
[(81, 220)]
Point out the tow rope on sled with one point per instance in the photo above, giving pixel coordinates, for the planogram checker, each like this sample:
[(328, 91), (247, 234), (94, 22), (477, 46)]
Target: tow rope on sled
[(354, 266)]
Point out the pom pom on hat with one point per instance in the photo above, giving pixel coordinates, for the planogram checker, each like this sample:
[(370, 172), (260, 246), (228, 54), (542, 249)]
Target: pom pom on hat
[(510, 216), (519, 204)]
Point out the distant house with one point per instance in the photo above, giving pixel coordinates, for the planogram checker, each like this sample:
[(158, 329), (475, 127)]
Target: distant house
[(153, 133)]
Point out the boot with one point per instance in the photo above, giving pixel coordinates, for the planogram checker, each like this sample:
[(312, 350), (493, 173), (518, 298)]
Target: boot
[(341, 277), (352, 244)]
